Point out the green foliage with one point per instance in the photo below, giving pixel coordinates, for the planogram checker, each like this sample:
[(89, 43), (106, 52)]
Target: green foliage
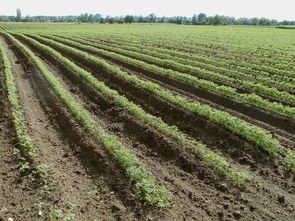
[(290, 161), (150, 56), (92, 192), (26, 151), (57, 214), (262, 138), (213, 160), (3, 210), (17, 114), (145, 182), (257, 135)]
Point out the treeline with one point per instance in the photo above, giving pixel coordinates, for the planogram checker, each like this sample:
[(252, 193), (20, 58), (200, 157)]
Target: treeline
[(197, 19)]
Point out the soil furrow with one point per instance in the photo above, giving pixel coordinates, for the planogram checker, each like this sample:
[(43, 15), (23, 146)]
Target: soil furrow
[(17, 194), (194, 182), (197, 192), (281, 128), (238, 88), (84, 181), (231, 145), (267, 117)]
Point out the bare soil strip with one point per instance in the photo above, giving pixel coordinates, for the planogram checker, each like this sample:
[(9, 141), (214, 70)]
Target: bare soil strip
[(260, 200), (280, 125), (238, 88), (17, 195), (82, 177)]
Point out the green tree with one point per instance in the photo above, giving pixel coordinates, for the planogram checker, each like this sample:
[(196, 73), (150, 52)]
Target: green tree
[(152, 17), (195, 19), (255, 21), (90, 18), (18, 15), (128, 19), (97, 17), (83, 17), (218, 20), (179, 20), (202, 19)]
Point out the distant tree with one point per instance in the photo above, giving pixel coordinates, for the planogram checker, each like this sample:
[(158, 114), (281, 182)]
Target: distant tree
[(18, 15), (163, 19), (254, 21), (141, 19), (179, 20), (90, 18), (97, 17), (152, 17), (28, 19), (273, 22), (83, 17), (218, 20), (128, 19), (262, 21), (202, 19), (5, 18), (195, 19), (120, 20), (285, 22), (111, 20)]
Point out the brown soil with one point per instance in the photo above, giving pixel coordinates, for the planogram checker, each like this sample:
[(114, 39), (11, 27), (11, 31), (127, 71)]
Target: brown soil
[(16, 194), (216, 55), (267, 120), (238, 88), (82, 177), (115, 44), (78, 164), (109, 41), (280, 125), (198, 193)]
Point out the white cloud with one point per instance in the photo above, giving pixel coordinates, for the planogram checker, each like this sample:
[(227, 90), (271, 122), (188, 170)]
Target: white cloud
[(280, 10)]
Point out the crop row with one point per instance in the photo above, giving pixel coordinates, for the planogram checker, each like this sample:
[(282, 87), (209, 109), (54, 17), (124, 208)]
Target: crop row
[(203, 73), (258, 136), (225, 90), (145, 181), (173, 43), (159, 53), (198, 60), (265, 54), (13, 98), (257, 58), (206, 43), (241, 46), (213, 160), (26, 152)]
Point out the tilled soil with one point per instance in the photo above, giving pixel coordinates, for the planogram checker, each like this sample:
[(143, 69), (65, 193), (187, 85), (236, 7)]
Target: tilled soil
[(86, 182), (282, 127), (238, 88), (17, 196)]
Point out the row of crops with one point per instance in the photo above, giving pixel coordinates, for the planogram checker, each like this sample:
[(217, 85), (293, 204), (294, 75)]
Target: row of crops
[(240, 89)]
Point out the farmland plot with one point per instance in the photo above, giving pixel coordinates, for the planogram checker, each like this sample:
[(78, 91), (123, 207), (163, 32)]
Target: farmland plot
[(138, 122)]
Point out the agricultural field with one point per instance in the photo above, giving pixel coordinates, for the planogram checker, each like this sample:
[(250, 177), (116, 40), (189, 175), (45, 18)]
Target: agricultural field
[(146, 122)]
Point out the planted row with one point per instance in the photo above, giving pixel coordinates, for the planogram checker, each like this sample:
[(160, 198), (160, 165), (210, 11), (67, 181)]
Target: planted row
[(228, 91), (218, 54), (145, 182), (263, 139), (224, 53), (26, 152), (178, 57), (204, 73), (213, 160)]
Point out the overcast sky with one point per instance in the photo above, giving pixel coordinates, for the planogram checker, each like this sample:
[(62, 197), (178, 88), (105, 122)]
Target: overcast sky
[(277, 9)]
